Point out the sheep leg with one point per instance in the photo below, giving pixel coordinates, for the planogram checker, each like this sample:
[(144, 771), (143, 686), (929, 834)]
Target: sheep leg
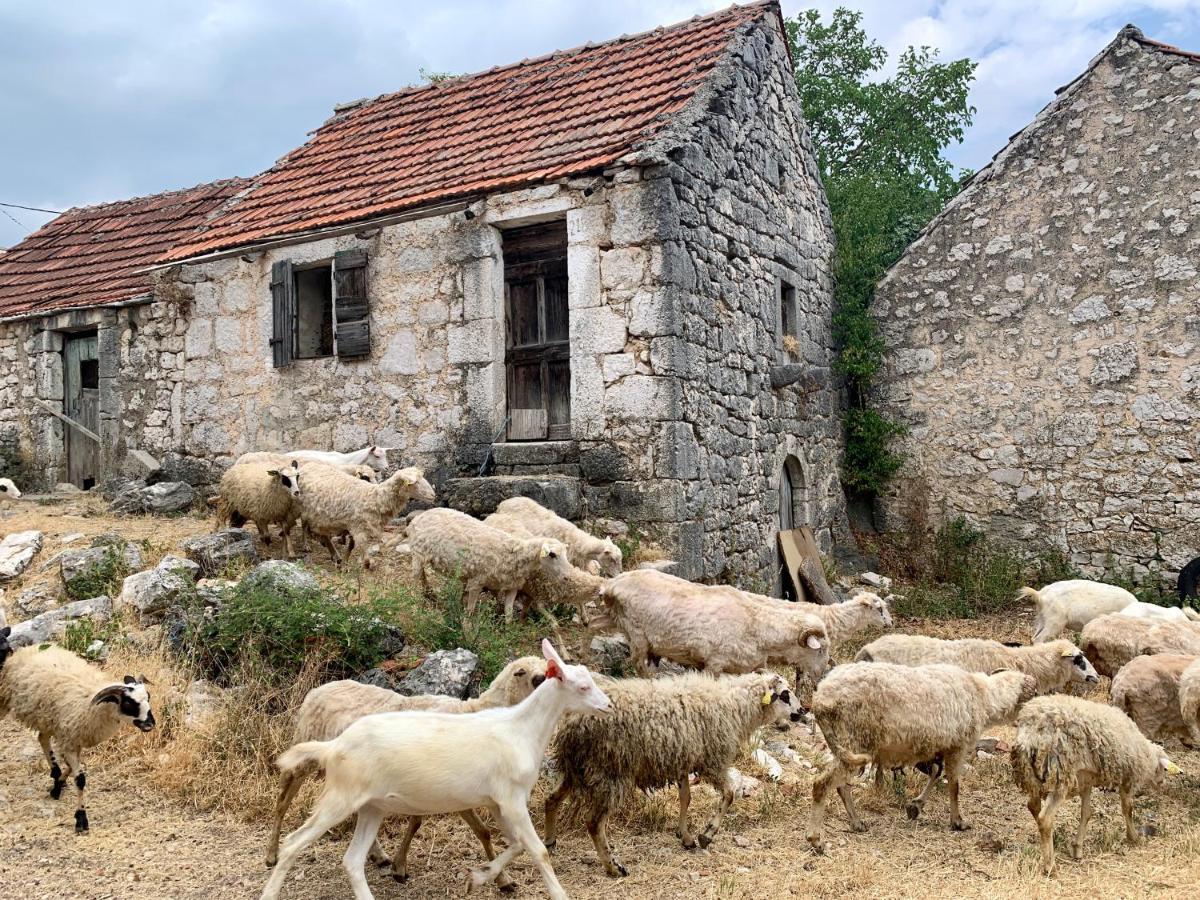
[(553, 804), (1085, 813), (264, 532), (330, 810), (400, 859), (726, 788), (1127, 812), (503, 882), (56, 772), (820, 796), (598, 829), (289, 786), (474, 588), (418, 574), (847, 795), (75, 764), (355, 860), (952, 764), (914, 807), (639, 653), (510, 599), (685, 800), (1045, 823)]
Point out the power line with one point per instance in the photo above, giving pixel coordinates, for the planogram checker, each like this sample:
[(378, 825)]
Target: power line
[(14, 218), (57, 212)]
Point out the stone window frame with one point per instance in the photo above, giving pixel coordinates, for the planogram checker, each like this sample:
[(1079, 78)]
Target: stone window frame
[(780, 284)]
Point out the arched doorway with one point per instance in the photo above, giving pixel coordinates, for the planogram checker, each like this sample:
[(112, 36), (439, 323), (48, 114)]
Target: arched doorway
[(793, 513)]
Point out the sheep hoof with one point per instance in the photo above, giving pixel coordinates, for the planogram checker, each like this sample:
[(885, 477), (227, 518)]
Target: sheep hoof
[(960, 825), (509, 887), (401, 877), (57, 789), (551, 845), (704, 840), (912, 810), (81, 821), (688, 844), (814, 843), (271, 862), (616, 870), (860, 827)]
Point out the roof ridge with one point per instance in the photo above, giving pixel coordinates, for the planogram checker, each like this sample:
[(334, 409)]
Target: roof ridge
[(355, 106), (91, 207), (1134, 33)]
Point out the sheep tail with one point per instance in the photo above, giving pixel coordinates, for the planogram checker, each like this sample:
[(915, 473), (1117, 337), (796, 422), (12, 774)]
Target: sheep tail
[(306, 757), (1028, 593)]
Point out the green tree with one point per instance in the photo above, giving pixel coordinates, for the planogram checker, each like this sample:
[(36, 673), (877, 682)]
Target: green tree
[(879, 143)]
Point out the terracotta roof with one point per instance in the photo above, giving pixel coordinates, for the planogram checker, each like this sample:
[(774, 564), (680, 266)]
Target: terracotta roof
[(92, 255), (1137, 35), (571, 112)]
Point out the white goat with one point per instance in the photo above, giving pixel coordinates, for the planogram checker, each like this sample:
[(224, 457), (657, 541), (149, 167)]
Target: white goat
[(70, 703), (425, 763), (1072, 604), (8, 490), (375, 457)]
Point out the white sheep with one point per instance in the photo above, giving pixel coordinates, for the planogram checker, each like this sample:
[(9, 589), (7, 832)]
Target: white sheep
[(428, 763), (659, 732), (712, 627), (264, 494), (333, 503), (72, 706), (8, 490), (1072, 604), (1153, 692), (844, 620), (484, 557), (1053, 665), (282, 460), (1112, 641), (375, 457), (528, 518), (1064, 747), (895, 716), (329, 709)]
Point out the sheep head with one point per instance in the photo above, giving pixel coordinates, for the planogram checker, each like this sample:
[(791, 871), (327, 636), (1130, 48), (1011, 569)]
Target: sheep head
[(412, 482), (9, 490), (1081, 669), (610, 558), (288, 478), (131, 699), (780, 705)]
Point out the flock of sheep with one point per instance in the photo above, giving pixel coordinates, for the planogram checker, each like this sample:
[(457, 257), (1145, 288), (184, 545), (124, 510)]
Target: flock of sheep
[(906, 700)]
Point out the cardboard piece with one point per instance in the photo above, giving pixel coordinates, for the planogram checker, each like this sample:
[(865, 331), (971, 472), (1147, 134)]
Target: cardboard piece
[(802, 563)]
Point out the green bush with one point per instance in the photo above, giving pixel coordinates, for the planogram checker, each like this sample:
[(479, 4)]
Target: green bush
[(104, 578), (80, 634), (286, 630), (444, 625)]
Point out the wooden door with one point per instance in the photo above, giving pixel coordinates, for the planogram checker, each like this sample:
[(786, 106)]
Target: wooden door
[(537, 337), (81, 403)]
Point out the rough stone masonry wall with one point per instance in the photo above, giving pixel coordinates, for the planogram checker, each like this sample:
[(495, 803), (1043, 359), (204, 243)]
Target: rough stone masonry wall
[(1045, 331), (748, 210)]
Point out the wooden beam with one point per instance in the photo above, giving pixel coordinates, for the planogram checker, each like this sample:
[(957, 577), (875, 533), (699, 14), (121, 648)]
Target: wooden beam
[(87, 432)]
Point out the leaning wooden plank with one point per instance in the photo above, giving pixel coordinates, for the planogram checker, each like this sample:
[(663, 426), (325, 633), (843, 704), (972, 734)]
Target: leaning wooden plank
[(804, 564), (87, 432)]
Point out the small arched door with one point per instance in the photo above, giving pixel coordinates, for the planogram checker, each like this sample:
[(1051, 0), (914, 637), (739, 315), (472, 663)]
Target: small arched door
[(792, 514)]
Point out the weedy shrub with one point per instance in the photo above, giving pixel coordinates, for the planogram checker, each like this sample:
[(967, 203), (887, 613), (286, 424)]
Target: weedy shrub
[(104, 578), (285, 630), (444, 625), (81, 633)]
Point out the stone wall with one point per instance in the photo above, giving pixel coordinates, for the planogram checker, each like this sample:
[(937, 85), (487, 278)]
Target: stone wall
[(1045, 330), (742, 209)]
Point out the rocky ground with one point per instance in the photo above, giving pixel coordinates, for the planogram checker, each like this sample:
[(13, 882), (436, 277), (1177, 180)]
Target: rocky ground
[(149, 843)]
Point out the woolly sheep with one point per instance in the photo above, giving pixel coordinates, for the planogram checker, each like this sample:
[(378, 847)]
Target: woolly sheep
[(1064, 747), (72, 706), (711, 627), (842, 620), (485, 557), (1151, 691), (660, 731), (8, 490), (375, 457), (425, 763), (264, 494), (333, 503), (894, 715), (330, 709), (1112, 641), (528, 518), (1053, 666), (1072, 604)]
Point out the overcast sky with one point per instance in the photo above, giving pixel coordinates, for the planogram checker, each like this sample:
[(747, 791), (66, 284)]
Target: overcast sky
[(102, 101)]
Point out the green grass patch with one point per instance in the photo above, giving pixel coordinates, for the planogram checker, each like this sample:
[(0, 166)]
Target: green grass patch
[(104, 578)]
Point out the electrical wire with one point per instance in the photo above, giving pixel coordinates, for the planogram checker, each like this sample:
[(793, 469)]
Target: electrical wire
[(57, 212)]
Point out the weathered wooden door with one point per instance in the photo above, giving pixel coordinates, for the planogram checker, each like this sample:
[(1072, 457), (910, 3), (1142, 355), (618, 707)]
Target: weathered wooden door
[(787, 507), (81, 403), (538, 350)]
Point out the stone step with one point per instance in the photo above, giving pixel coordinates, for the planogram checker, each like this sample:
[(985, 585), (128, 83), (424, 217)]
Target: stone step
[(535, 453), (481, 496)]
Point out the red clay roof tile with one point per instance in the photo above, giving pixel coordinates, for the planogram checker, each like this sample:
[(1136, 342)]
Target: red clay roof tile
[(99, 254), (572, 112)]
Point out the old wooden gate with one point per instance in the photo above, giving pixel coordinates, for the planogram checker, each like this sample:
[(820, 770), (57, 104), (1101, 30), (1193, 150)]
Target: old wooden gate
[(81, 403)]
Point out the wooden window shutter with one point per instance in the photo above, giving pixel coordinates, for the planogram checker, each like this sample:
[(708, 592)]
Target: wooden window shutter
[(283, 312), (351, 306)]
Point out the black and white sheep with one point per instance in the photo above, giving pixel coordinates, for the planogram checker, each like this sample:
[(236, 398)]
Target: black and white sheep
[(660, 731), (262, 493), (72, 706)]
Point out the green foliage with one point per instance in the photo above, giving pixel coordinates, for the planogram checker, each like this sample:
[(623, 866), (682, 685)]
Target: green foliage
[(105, 577), (433, 77), (629, 543), (81, 633), (1151, 589), (444, 625), (286, 630), (879, 143)]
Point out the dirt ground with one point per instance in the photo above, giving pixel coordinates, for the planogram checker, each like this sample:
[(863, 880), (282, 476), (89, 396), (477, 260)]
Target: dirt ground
[(143, 846)]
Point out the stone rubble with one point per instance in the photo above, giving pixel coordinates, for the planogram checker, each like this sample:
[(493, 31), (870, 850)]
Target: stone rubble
[(17, 551)]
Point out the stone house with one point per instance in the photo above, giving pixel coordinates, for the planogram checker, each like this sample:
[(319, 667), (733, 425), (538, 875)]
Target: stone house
[(1044, 330), (599, 277)]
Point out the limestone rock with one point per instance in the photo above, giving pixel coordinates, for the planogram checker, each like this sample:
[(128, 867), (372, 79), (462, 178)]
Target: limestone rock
[(76, 563), (50, 626), (17, 551), (152, 591), (215, 552), (446, 672), (610, 653), (157, 499), (872, 579), (378, 678), (280, 576)]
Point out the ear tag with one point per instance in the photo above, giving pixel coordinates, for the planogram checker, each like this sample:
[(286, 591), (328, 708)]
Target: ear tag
[(766, 699)]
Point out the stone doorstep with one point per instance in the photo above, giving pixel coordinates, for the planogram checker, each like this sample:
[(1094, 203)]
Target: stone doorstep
[(535, 453), (481, 496)]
